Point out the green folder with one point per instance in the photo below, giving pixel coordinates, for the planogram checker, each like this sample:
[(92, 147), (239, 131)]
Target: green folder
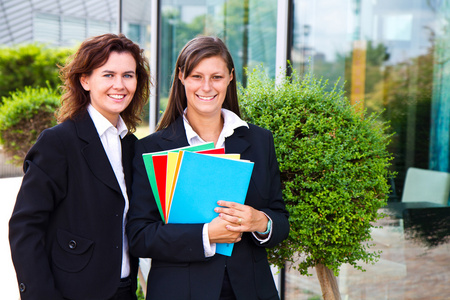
[(148, 163)]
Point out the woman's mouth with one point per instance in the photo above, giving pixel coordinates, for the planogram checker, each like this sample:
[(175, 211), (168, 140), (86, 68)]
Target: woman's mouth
[(206, 98), (117, 97)]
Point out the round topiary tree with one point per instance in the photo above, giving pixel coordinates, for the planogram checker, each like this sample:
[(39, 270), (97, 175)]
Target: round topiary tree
[(23, 116), (334, 168)]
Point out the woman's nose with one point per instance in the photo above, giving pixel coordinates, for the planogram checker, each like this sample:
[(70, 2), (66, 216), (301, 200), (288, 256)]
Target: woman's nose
[(118, 82), (206, 84)]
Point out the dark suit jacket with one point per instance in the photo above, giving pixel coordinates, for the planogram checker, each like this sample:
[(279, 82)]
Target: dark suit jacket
[(179, 268), (66, 228)]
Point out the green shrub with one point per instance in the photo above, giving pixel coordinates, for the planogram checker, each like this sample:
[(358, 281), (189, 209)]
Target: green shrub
[(30, 65), (23, 116), (139, 292), (334, 168)]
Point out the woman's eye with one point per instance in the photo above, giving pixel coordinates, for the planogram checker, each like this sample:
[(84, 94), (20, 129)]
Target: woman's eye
[(128, 76), (108, 75)]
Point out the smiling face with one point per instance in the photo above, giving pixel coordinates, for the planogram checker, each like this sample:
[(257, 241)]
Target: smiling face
[(206, 87), (112, 86)]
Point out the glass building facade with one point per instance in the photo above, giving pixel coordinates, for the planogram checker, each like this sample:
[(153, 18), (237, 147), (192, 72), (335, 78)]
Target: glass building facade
[(247, 27)]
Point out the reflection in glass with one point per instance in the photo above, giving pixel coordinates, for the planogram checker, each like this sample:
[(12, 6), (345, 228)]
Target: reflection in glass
[(384, 52), (427, 226), (46, 28), (248, 27), (392, 57)]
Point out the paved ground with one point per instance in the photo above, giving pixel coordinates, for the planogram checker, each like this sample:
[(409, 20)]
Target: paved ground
[(406, 270), (7, 169), (8, 188)]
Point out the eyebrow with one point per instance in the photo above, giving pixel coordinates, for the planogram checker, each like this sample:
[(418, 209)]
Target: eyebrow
[(202, 73), (126, 72)]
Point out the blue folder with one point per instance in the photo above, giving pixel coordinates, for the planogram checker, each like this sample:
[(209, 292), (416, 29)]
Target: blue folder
[(202, 181)]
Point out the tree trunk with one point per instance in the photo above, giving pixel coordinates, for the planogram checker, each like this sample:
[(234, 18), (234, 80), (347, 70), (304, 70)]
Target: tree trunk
[(328, 283)]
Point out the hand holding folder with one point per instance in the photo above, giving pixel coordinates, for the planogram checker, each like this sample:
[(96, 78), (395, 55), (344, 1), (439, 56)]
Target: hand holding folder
[(197, 181)]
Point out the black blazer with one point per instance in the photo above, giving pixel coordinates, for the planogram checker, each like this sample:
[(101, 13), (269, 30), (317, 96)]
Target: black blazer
[(66, 227), (179, 268)]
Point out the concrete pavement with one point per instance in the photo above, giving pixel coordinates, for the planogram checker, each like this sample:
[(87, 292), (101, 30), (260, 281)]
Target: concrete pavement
[(8, 189)]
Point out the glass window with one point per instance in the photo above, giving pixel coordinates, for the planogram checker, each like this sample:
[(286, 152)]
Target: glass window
[(98, 27), (61, 30), (133, 32), (136, 25), (73, 30), (46, 28), (391, 57), (136, 15), (385, 52), (248, 27)]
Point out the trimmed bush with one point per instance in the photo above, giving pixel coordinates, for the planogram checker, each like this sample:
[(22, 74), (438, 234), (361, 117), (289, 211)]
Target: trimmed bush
[(334, 168), (23, 116), (30, 65)]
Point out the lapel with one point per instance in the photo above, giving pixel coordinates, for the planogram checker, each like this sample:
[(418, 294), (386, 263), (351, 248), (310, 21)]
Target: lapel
[(127, 158), (94, 153), (237, 142), (174, 136)]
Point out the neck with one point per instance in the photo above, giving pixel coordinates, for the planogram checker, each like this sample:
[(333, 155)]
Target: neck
[(208, 128)]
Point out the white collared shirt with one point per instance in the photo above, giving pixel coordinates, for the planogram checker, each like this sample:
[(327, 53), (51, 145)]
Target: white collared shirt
[(110, 137), (231, 121)]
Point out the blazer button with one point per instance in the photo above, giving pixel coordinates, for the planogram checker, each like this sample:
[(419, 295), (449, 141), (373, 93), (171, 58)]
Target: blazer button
[(22, 287), (72, 244)]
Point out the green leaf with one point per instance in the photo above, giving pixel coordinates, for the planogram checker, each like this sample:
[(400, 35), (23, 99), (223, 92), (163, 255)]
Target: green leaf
[(334, 167)]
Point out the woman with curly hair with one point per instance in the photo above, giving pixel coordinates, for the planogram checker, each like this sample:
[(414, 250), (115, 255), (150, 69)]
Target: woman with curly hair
[(67, 230)]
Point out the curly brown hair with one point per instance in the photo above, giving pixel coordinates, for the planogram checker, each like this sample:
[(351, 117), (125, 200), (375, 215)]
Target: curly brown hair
[(92, 54)]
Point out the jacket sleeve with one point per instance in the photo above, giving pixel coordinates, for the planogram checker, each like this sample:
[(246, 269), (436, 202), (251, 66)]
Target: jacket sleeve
[(276, 208), (43, 185), (148, 235)]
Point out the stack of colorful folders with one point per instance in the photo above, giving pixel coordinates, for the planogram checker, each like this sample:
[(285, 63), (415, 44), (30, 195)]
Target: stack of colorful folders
[(187, 183)]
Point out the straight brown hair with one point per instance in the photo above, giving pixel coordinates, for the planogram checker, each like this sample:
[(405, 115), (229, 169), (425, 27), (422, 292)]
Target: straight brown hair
[(190, 56)]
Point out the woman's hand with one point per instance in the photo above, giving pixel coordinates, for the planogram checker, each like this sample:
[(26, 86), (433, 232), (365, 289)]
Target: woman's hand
[(241, 218), (218, 232)]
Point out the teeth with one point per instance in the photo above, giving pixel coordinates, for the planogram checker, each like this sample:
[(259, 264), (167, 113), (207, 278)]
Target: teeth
[(206, 98), (117, 96)]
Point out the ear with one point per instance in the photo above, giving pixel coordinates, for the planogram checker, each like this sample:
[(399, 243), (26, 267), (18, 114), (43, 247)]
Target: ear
[(84, 80), (180, 76), (231, 75)]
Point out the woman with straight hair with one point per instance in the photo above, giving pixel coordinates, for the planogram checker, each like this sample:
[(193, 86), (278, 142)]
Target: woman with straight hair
[(67, 230), (203, 107)]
